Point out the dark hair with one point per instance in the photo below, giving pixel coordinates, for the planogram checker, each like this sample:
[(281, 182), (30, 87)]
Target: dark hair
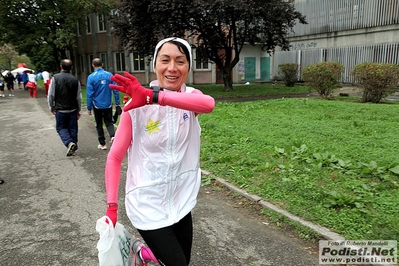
[(181, 47), (66, 64), (97, 62)]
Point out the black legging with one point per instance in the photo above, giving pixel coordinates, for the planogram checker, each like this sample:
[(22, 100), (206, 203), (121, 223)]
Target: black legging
[(171, 245)]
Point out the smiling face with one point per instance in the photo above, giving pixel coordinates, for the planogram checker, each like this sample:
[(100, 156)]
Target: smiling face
[(171, 67)]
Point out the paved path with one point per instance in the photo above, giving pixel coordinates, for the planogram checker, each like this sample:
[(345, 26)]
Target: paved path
[(50, 202)]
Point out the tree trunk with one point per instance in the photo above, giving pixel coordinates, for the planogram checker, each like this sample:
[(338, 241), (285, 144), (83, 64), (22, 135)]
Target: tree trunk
[(227, 79)]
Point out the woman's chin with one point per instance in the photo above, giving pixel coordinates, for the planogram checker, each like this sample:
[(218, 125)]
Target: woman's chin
[(172, 86)]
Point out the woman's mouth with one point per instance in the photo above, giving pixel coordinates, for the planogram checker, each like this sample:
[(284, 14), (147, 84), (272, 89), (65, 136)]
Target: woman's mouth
[(171, 78)]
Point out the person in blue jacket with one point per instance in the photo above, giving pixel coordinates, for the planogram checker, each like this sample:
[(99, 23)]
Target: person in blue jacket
[(25, 79), (99, 99)]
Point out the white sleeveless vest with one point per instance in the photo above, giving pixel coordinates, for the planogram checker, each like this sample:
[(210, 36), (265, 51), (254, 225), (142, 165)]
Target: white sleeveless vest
[(163, 177)]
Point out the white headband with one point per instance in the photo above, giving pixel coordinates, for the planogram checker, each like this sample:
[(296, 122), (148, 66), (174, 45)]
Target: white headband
[(176, 40)]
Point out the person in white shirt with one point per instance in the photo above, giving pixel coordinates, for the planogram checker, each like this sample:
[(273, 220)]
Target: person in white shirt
[(32, 85), (46, 81)]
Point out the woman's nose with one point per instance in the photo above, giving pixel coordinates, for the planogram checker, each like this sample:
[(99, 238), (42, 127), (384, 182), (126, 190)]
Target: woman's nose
[(172, 65)]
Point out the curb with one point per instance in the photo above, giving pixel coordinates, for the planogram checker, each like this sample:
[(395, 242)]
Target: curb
[(323, 231)]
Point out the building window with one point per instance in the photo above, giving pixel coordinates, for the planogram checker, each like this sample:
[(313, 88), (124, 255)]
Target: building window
[(137, 61), (101, 23), (88, 25), (90, 62), (103, 58), (201, 61), (114, 13), (120, 61)]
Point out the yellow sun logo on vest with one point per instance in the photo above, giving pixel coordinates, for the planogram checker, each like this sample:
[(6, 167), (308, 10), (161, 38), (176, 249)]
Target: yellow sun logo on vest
[(152, 126)]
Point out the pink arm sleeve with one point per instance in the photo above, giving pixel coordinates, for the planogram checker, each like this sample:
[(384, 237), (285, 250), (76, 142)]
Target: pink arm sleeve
[(195, 101), (123, 139)]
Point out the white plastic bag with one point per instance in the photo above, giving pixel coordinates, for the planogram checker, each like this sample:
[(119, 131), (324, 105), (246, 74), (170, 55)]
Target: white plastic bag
[(114, 244)]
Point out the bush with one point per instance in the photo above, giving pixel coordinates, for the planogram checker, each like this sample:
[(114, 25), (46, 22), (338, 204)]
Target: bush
[(377, 80), (323, 77), (289, 72)]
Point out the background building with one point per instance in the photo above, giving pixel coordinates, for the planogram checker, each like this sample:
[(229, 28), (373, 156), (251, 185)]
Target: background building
[(345, 31), (95, 40)]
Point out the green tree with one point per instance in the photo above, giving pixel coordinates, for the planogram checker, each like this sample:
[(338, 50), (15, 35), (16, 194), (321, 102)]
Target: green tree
[(220, 28), (7, 56), (45, 30)]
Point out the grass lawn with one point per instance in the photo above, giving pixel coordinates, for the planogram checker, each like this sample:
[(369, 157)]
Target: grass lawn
[(331, 162)]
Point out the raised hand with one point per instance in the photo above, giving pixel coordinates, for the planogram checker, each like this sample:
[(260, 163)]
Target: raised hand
[(131, 86)]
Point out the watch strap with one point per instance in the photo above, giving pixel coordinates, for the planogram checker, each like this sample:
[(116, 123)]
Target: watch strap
[(156, 90)]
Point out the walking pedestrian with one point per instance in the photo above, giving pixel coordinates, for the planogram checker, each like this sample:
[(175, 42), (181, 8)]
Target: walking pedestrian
[(10, 79), (32, 85), (99, 99), (2, 82), (46, 81), (65, 102), (19, 80), (159, 131), (25, 79)]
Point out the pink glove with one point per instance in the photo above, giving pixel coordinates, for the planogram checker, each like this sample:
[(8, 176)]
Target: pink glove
[(112, 213), (131, 86)]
